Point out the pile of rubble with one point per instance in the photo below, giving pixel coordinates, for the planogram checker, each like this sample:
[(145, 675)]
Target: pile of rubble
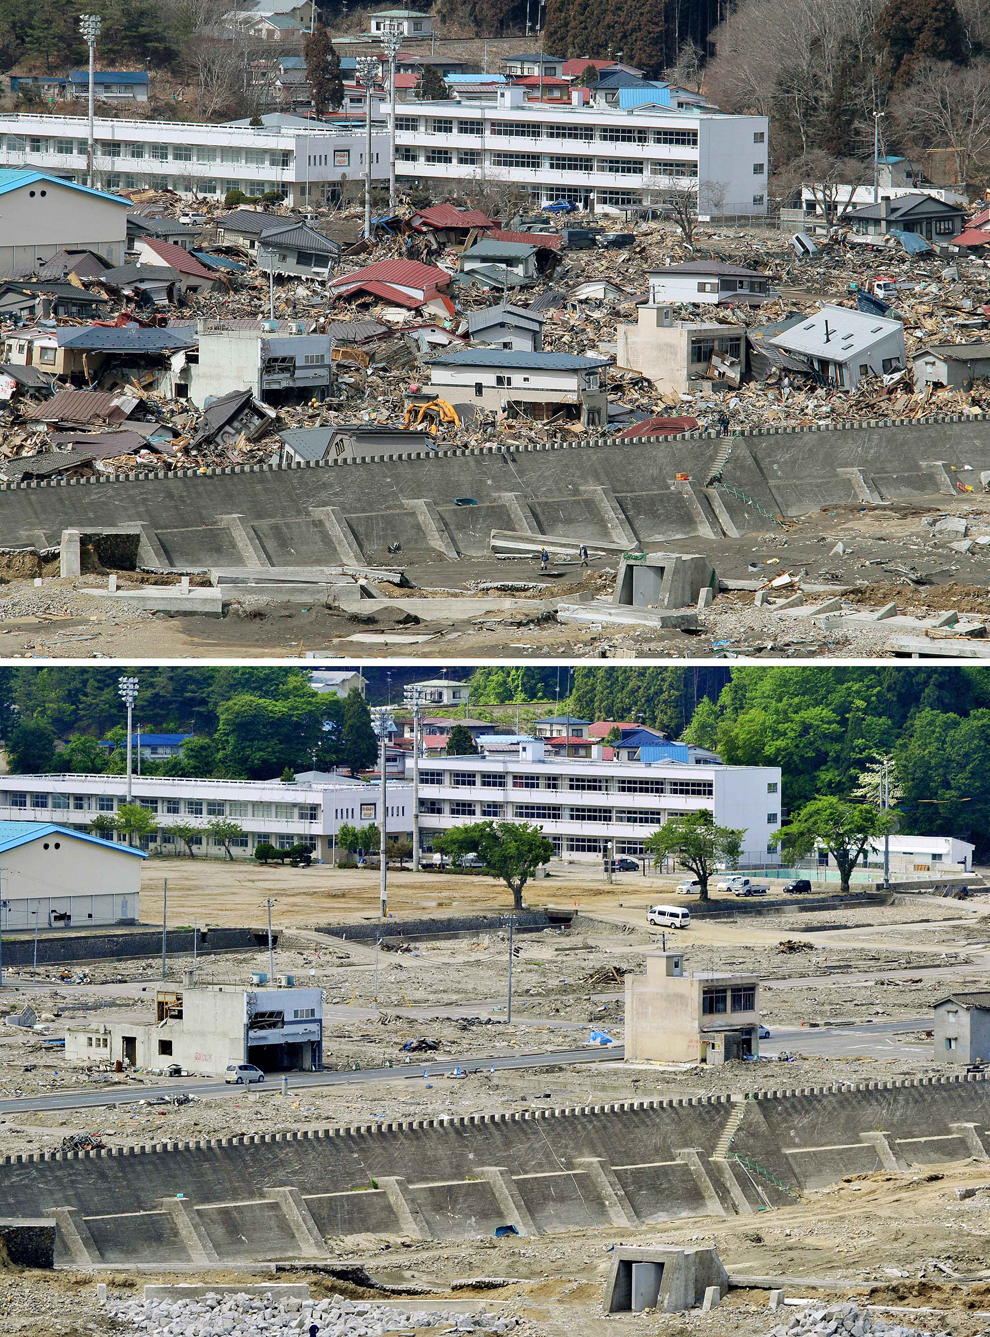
[(244, 1315), (841, 1319)]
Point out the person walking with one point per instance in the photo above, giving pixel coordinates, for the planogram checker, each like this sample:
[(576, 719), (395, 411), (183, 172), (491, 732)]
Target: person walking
[(583, 554), (544, 559)]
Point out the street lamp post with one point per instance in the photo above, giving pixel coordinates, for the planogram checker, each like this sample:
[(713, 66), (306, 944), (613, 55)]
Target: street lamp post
[(415, 781), (366, 69), (89, 26), (383, 721), (127, 690), (391, 41)]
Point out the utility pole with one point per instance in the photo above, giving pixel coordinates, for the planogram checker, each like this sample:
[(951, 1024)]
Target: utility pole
[(127, 690), (268, 902), (876, 156), (508, 1008), (415, 782), (366, 66), (4, 905), (89, 26), (383, 721), (885, 805), (391, 41), (164, 929)]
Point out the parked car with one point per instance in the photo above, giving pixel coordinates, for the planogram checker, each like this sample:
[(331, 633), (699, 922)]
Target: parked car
[(616, 241), (624, 865), (692, 888), (668, 916), (750, 889), (561, 207), (764, 1033), (580, 238), (239, 1073), (470, 861), (729, 883), (797, 887)]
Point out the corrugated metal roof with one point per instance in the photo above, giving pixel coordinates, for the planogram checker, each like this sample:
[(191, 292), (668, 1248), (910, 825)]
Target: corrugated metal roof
[(82, 406), (447, 216), (178, 259), (492, 250), (506, 357), (410, 273), (13, 178), (13, 834), (547, 240)]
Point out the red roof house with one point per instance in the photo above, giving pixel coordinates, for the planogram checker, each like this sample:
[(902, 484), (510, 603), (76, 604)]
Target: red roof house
[(401, 282), (155, 252)]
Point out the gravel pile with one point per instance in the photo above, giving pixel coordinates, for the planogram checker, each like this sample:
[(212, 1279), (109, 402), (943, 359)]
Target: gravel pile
[(841, 1319), (248, 1316)]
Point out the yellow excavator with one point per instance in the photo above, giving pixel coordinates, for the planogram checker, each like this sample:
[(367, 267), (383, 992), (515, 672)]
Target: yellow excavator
[(433, 413)]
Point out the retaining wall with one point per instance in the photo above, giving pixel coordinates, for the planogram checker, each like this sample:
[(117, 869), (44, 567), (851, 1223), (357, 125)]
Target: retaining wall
[(596, 488), (18, 950), (634, 1163), (524, 921)]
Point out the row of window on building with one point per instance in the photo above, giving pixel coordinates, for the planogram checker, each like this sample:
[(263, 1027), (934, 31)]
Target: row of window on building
[(714, 1002), (173, 807), (598, 784), (114, 148), (587, 134), (552, 162), (551, 812)]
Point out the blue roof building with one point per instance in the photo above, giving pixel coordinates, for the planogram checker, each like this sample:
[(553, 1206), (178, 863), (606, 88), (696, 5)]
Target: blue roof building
[(58, 878)]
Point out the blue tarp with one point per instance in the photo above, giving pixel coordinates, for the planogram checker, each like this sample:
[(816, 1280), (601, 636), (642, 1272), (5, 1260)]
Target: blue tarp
[(912, 243)]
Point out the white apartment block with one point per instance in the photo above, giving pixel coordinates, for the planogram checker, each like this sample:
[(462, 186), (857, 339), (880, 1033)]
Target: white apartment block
[(583, 804), (308, 166), (268, 811), (599, 157)]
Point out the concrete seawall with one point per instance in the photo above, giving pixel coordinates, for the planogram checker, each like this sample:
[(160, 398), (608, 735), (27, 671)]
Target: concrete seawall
[(636, 1163), (18, 949), (594, 489)]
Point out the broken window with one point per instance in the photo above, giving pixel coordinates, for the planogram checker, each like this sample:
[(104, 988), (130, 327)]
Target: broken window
[(279, 366), (266, 1021), (168, 1007)]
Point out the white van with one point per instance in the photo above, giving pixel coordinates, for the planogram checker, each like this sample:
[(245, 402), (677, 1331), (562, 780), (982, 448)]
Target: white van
[(668, 916)]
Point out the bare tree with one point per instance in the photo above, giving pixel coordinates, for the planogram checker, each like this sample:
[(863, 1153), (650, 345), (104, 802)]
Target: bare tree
[(216, 56), (686, 71), (679, 198), (831, 180), (947, 107)]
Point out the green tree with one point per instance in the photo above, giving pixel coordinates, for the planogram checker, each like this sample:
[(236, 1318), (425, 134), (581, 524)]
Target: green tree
[(288, 776), (133, 820), (588, 78), (187, 833), (323, 72), (697, 844), (359, 839), (83, 754), (460, 742), (509, 851), (846, 830), (359, 742), (224, 832), (431, 87), (265, 852), (703, 728), (196, 761), (31, 748), (103, 825)]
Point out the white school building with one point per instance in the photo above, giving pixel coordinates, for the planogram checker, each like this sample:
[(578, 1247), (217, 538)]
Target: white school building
[(598, 157)]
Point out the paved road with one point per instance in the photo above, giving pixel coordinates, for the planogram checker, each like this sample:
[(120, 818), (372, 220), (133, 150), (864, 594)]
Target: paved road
[(300, 1080), (886, 1039)]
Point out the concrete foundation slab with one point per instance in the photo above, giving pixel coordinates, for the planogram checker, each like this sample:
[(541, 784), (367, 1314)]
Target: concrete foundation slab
[(201, 602), (610, 615)]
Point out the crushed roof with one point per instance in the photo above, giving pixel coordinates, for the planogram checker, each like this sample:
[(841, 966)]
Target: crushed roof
[(83, 406), (659, 427), (176, 258), (409, 273), (447, 216), (127, 338)]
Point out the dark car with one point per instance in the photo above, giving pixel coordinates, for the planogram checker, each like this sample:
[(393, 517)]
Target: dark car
[(579, 238), (797, 888), (616, 241), (624, 866)]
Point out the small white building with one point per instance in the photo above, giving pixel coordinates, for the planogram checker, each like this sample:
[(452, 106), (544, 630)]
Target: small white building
[(407, 22), (54, 877), (437, 692), (711, 282), (42, 214), (952, 365), (675, 353), (204, 1028), (845, 345), (338, 682), (507, 326), (530, 385), (276, 360), (924, 854)]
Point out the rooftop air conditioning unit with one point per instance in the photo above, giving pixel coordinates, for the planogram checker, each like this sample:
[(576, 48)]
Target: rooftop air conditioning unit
[(285, 981), (270, 326)]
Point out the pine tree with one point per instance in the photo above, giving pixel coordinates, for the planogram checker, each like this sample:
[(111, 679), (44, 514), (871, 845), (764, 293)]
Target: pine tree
[(323, 72), (909, 31), (431, 87)]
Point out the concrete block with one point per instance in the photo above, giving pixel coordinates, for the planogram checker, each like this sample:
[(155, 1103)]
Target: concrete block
[(112, 583), (776, 1300), (509, 1199), (706, 597), (76, 1236), (279, 1291), (952, 526), (888, 610), (712, 1300), (760, 598), (202, 602), (69, 559), (947, 620), (604, 1178), (101, 1292), (662, 580), (962, 546), (795, 601), (610, 615)]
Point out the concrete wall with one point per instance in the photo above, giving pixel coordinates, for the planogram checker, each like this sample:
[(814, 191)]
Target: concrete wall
[(127, 946), (539, 1170), (562, 485)]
